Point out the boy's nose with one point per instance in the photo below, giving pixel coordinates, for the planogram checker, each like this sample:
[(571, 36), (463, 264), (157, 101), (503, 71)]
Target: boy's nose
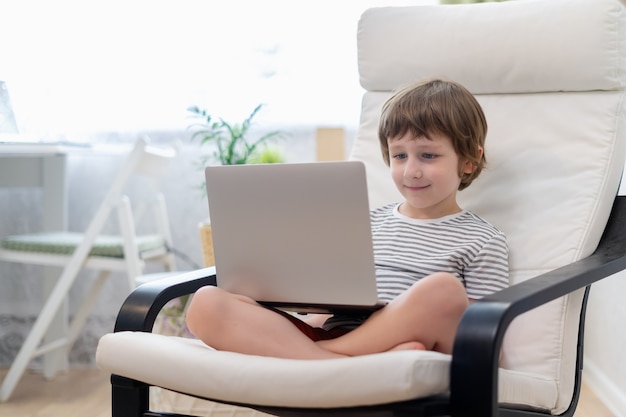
[(413, 170)]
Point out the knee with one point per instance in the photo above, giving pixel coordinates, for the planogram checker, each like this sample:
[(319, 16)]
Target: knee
[(203, 308), (447, 284), (444, 291)]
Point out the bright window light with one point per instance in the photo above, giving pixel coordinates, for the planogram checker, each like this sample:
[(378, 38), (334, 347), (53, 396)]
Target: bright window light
[(75, 67)]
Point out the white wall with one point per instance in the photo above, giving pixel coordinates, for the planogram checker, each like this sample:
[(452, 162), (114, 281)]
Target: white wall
[(605, 342), (605, 338)]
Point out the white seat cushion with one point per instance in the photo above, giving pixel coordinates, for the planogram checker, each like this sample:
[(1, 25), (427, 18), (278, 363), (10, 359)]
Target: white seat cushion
[(181, 364)]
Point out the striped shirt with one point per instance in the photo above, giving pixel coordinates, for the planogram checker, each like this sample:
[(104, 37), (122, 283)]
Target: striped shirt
[(407, 250)]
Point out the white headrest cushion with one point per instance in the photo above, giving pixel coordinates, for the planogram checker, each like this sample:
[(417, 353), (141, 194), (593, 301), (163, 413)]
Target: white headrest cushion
[(496, 35)]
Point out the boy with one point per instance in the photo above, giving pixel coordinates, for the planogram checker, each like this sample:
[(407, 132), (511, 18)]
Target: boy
[(432, 258)]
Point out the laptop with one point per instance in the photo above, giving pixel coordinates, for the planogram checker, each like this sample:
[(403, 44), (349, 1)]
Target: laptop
[(296, 236)]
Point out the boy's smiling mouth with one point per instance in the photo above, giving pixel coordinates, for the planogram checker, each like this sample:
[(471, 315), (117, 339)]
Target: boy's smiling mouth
[(416, 187)]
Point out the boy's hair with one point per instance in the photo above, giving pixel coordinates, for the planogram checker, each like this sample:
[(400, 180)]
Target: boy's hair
[(437, 107)]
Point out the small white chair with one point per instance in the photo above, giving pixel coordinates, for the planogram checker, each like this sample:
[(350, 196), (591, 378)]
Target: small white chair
[(73, 251), (551, 78)]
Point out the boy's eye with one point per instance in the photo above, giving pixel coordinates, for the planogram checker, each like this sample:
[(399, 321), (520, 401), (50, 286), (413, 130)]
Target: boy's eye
[(429, 156), (400, 156)]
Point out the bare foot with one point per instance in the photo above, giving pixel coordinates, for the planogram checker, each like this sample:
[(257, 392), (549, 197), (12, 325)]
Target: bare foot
[(408, 346)]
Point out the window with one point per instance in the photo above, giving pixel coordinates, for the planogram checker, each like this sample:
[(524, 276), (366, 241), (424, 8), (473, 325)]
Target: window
[(76, 67)]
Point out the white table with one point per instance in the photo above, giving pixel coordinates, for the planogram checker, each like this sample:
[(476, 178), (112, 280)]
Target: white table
[(43, 165)]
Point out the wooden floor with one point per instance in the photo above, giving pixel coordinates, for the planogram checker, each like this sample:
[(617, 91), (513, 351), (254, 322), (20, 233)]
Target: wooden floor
[(81, 393), (77, 393)]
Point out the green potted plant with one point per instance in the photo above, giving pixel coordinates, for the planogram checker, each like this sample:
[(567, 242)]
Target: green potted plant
[(230, 144)]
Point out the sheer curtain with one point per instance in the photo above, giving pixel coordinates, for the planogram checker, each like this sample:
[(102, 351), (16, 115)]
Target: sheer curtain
[(74, 68)]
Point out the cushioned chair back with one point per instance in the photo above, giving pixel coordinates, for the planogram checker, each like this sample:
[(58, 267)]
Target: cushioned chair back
[(550, 76)]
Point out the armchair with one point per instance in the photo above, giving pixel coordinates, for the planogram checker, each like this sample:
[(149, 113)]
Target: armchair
[(550, 75)]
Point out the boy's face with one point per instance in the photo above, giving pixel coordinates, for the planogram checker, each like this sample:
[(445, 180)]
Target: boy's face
[(426, 172)]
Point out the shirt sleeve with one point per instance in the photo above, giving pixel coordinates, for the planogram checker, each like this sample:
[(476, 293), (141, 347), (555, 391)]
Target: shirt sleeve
[(488, 272)]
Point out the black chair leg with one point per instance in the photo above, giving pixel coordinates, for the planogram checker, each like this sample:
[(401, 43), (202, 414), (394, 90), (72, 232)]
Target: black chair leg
[(130, 398)]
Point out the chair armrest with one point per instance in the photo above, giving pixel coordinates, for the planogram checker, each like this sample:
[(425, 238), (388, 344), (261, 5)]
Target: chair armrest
[(142, 306), (475, 358)]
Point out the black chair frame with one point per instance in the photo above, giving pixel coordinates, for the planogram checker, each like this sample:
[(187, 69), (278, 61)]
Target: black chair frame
[(474, 367)]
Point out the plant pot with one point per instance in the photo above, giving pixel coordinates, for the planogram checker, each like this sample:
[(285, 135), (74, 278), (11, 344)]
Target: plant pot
[(206, 241)]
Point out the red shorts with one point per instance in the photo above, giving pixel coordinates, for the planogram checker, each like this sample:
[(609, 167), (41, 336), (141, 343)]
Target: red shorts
[(313, 333)]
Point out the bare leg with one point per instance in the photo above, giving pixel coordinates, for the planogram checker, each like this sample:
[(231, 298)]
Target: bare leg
[(427, 314), (236, 323), (424, 317), (409, 346)]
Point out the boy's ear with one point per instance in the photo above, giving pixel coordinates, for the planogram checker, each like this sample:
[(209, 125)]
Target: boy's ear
[(469, 166)]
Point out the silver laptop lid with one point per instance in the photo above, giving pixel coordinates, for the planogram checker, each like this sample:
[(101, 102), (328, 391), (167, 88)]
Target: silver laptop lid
[(291, 234)]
